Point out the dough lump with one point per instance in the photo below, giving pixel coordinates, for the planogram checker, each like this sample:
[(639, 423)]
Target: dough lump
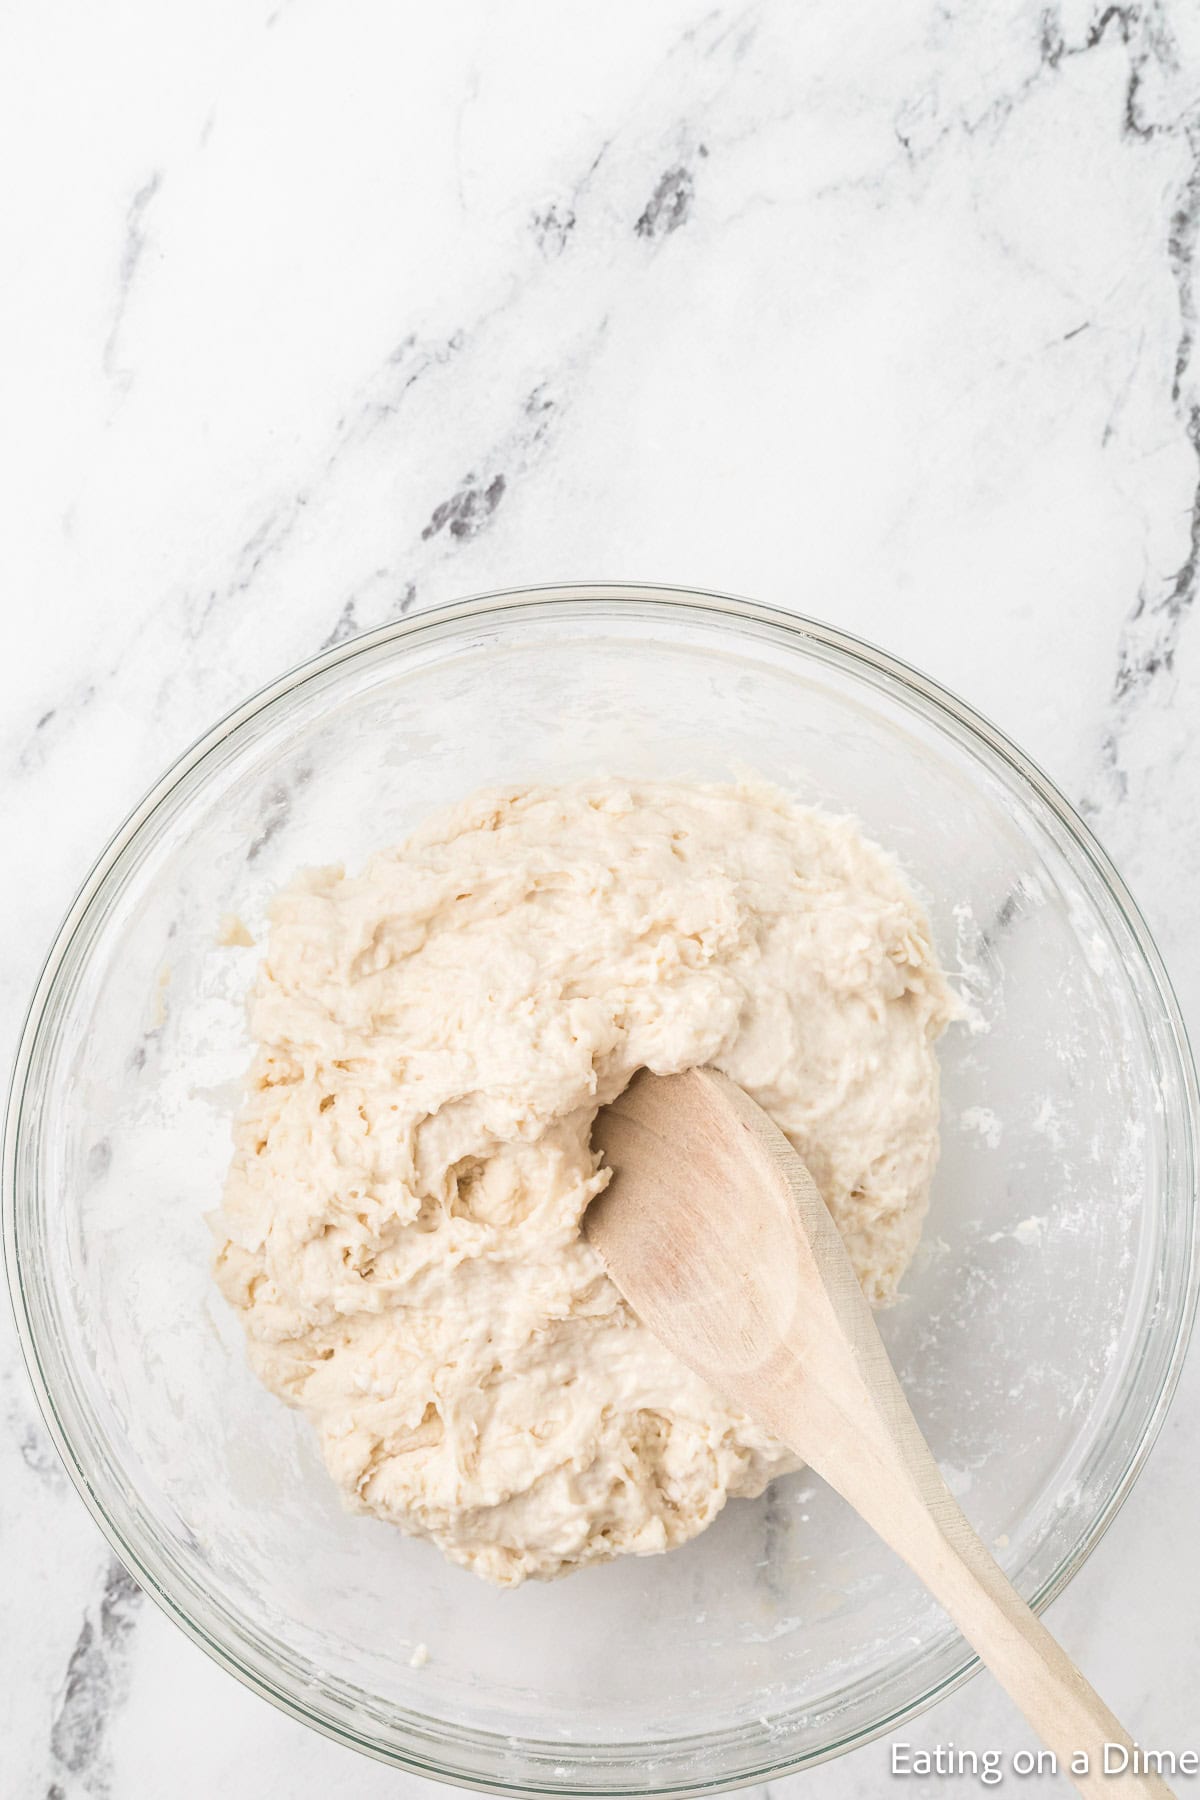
[(412, 1158)]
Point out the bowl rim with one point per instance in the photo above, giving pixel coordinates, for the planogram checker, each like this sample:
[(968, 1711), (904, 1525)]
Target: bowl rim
[(851, 650)]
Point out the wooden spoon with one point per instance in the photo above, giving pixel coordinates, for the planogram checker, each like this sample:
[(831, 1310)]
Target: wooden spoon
[(715, 1233)]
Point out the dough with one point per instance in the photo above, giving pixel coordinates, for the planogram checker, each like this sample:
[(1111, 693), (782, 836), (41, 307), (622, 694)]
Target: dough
[(401, 1219)]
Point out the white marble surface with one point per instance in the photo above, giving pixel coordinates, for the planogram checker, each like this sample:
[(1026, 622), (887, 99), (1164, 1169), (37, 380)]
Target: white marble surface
[(313, 312)]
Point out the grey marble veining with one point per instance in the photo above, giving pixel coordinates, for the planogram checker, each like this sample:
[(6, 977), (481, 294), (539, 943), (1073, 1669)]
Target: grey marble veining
[(314, 315)]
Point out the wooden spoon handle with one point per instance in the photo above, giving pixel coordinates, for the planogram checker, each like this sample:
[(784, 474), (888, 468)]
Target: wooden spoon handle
[(924, 1524), (830, 1393)]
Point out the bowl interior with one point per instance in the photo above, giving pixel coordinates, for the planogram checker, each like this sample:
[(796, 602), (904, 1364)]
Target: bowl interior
[(1032, 1335)]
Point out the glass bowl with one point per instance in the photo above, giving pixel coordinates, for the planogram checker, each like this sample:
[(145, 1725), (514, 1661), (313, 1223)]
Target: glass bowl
[(1041, 1329)]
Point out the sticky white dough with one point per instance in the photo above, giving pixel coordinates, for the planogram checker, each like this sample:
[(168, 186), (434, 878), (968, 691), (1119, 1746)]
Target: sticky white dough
[(434, 1037)]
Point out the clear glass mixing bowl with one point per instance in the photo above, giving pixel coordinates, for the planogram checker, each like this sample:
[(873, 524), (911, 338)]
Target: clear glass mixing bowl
[(1041, 1330)]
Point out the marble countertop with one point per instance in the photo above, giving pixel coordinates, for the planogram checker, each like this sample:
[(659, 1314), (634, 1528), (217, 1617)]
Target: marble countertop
[(316, 313)]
